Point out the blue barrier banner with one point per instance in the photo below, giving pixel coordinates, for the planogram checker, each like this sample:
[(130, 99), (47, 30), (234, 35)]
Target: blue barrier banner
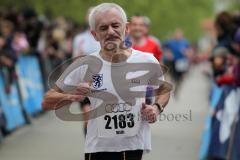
[(235, 153), (31, 84), (2, 118), (222, 122), (236, 147), (206, 138), (216, 93), (11, 106)]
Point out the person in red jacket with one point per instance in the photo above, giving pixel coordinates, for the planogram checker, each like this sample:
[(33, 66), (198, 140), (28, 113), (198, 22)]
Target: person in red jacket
[(140, 39)]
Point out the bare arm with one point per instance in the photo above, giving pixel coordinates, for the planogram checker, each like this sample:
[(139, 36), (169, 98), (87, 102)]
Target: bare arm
[(151, 111), (55, 98)]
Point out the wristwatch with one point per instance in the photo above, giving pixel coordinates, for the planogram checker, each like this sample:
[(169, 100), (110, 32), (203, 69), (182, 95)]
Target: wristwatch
[(159, 106)]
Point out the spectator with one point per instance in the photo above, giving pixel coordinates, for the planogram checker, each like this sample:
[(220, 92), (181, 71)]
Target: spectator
[(177, 51), (140, 39)]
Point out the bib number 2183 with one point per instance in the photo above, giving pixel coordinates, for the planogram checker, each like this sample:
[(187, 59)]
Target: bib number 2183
[(120, 121)]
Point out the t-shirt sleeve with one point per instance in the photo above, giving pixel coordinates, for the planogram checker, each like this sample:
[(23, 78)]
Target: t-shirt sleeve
[(158, 71), (72, 76)]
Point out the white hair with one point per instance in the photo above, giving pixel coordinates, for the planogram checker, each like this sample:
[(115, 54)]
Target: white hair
[(147, 21), (102, 8)]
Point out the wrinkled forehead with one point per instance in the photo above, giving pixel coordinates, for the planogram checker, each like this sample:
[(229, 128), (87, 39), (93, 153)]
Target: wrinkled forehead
[(108, 17)]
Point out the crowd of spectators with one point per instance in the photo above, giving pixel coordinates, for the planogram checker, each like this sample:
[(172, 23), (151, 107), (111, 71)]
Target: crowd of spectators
[(24, 32)]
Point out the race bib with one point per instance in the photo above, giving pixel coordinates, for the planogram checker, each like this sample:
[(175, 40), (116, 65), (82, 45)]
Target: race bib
[(121, 120)]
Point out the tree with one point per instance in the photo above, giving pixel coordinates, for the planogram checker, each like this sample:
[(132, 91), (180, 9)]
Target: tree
[(165, 15)]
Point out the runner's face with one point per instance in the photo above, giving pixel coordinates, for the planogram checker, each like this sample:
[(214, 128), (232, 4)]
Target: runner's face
[(137, 27), (109, 28)]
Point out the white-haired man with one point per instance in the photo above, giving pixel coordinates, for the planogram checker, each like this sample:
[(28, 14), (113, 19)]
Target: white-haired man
[(117, 134)]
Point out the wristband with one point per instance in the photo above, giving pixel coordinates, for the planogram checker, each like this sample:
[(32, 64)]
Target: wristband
[(160, 107)]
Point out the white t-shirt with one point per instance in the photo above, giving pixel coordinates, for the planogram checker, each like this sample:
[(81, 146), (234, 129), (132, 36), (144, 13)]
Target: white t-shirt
[(85, 43), (121, 128)]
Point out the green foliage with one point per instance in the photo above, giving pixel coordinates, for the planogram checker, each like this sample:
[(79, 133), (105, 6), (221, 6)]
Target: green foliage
[(166, 15), (235, 6)]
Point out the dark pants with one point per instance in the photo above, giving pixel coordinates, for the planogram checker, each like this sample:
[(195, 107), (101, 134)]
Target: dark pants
[(125, 155), (85, 102)]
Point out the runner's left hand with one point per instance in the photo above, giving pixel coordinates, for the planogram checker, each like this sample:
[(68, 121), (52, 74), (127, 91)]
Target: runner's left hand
[(149, 113)]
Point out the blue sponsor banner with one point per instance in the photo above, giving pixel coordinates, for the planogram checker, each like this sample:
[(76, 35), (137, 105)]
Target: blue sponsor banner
[(236, 147), (222, 122), (31, 84), (11, 106), (235, 153), (216, 93)]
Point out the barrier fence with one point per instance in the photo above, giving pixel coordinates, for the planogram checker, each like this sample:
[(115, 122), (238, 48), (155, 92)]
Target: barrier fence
[(221, 137), (25, 96)]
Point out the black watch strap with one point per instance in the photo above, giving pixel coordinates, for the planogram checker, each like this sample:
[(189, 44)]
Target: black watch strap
[(160, 108)]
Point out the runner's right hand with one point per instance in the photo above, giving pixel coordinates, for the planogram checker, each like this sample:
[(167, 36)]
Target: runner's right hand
[(83, 89)]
